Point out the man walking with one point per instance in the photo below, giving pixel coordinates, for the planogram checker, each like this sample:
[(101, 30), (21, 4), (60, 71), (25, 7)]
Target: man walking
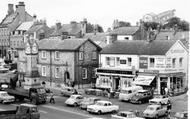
[(52, 100)]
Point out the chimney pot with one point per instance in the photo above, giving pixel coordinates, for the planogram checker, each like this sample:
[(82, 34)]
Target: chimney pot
[(10, 9)]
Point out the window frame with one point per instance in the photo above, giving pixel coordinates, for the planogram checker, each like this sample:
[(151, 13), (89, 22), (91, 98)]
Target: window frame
[(86, 73), (44, 69), (57, 72), (173, 62), (181, 62), (44, 55), (129, 63), (152, 64), (55, 56), (81, 55), (94, 55)]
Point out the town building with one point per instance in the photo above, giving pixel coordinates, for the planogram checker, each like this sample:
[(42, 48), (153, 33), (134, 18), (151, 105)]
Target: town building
[(11, 21), (152, 64), (65, 61), (126, 33), (35, 29), (159, 18), (72, 30)]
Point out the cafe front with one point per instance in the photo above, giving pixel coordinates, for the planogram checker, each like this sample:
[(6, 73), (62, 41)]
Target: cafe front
[(114, 79)]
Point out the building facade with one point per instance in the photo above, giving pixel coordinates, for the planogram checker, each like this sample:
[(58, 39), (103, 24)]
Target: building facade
[(10, 23), (65, 61), (154, 64)]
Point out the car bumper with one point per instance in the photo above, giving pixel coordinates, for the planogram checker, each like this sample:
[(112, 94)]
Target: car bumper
[(91, 110), (148, 115)]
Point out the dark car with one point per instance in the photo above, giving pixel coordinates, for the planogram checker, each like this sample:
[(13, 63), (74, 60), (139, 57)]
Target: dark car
[(68, 91), (141, 97)]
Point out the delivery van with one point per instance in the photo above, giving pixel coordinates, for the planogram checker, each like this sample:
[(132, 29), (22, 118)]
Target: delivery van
[(126, 93)]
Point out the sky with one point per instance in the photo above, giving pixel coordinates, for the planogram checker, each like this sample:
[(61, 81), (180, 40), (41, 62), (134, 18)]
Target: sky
[(102, 12)]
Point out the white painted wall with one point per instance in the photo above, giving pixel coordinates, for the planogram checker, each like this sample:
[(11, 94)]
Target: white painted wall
[(121, 57)]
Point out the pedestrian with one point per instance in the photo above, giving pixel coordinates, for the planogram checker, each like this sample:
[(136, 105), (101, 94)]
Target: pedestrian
[(109, 95), (166, 90), (52, 100), (169, 106)]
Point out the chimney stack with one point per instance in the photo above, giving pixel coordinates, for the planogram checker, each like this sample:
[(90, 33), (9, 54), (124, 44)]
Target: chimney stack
[(10, 9), (58, 25), (20, 8), (84, 25)]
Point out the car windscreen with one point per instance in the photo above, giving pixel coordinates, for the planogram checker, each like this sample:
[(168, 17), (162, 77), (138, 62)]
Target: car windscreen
[(100, 103), (41, 90), (150, 108), (4, 94), (126, 91)]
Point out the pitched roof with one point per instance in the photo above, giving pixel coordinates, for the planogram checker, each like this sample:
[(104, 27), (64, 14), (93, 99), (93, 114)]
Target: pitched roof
[(25, 25), (71, 29), (9, 19), (58, 44), (35, 28), (98, 38), (124, 30), (139, 47)]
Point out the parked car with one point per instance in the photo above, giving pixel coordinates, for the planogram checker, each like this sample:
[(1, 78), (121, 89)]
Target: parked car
[(155, 111), (125, 115), (6, 98), (88, 101), (74, 100), (127, 93), (160, 99), (142, 96), (102, 107), (180, 115), (68, 91)]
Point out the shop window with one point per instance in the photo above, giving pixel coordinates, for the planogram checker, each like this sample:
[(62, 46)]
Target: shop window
[(57, 72), (117, 61), (129, 60), (173, 62), (43, 70), (81, 55), (180, 62), (152, 61), (84, 73)]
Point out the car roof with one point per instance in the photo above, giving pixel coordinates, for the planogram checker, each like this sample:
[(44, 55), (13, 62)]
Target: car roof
[(127, 112), (76, 95), (93, 98), (142, 91), (3, 92), (28, 105), (153, 105), (104, 101)]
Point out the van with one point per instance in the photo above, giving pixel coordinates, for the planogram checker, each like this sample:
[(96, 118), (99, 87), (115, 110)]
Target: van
[(127, 93)]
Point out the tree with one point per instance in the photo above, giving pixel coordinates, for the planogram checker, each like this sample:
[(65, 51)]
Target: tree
[(152, 25), (124, 24), (177, 22), (90, 28)]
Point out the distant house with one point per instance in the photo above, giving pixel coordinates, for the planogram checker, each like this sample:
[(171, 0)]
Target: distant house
[(64, 61), (35, 29), (12, 20), (126, 33), (159, 18), (158, 64), (72, 30)]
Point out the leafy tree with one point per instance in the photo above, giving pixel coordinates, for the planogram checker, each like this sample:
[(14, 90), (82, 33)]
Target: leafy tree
[(152, 25), (90, 28), (124, 24), (177, 22)]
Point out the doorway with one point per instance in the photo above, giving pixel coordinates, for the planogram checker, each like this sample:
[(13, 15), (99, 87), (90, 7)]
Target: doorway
[(117, 80), (163, 85)]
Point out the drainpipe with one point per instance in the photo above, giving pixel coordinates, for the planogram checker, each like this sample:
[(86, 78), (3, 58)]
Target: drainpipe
[(50, 68)]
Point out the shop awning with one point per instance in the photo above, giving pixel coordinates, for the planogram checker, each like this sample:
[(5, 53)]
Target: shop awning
[(144, 80)]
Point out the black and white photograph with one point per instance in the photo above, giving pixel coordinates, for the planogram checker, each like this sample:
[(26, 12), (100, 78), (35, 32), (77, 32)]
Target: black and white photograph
[(94, 59)]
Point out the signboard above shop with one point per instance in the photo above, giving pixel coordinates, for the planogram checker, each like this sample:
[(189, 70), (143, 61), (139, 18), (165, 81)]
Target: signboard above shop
[(143, 62)]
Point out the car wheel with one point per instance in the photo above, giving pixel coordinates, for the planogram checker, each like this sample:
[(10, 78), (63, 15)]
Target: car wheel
[(75, 104), (114, 111), (99, 112), (140, 102), (156, 117)]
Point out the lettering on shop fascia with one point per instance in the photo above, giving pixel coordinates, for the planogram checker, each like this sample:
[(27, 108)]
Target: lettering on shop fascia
[(177, 51)]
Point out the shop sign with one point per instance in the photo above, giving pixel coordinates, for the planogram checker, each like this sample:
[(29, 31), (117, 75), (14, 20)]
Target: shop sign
[(151, 71), (160, 63), (177, 51), (143, 62)]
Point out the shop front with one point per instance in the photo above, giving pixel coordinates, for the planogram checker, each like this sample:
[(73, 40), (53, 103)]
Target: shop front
[(114, 79)]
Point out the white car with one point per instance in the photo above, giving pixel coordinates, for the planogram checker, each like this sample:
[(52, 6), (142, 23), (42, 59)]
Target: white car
[(102, 107), (159, 99), (74, 100), (155, 111), (125, 115), (6, 98)]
